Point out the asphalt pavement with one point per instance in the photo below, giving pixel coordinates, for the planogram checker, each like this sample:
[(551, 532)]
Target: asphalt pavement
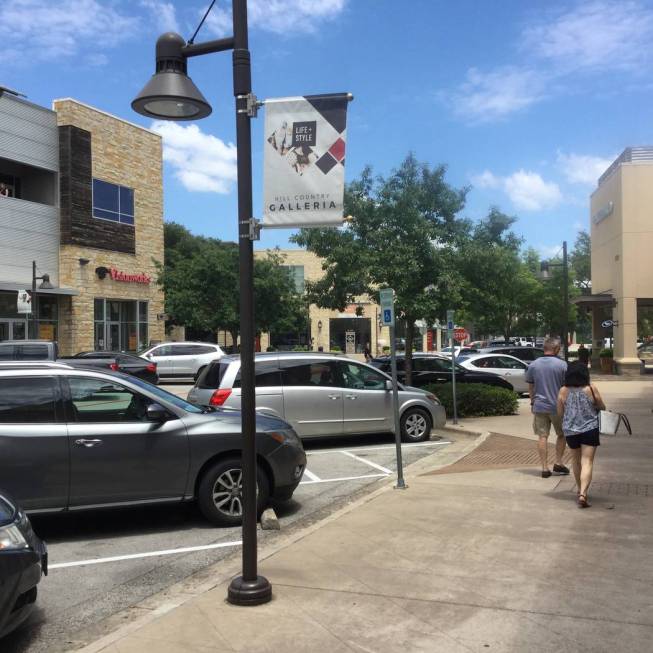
[(101, 562)]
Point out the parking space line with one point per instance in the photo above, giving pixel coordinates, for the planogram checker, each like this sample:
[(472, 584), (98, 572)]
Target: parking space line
[(381, 468), (344, 478), (313, 477), (148, 554), (321, 452)]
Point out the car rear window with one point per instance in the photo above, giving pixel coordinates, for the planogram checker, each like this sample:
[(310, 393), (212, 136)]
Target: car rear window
[(212, 375)]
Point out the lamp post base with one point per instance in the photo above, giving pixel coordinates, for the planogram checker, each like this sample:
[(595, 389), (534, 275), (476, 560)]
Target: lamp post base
[(249, 592)]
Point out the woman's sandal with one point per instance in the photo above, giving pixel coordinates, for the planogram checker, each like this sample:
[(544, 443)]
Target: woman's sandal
[(582, 501)]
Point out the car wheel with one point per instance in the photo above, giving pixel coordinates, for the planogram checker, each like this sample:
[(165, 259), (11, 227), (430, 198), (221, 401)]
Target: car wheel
[(416, 425), (220, 492), (199, 373)]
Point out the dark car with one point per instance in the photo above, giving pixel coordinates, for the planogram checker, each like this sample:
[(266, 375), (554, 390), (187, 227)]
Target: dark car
[(23, 559), (526, 354), (429, 369), (126, 363), (76, 439)]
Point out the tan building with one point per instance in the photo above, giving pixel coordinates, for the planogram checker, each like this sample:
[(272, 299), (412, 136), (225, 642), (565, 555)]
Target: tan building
[(348, 331), (82, 200), (622, 265)]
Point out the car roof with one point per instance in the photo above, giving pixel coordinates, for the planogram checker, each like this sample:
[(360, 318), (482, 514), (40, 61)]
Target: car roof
[(289, 355), (490, 355)]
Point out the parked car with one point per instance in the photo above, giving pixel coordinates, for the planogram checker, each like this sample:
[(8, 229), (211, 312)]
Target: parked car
[(526, 354), (182, 359), (508, 367), (127, 363), (645, 354), (73, 439), (429, 368), (458, 351), (47, 350), (23, 560), (322, 394)]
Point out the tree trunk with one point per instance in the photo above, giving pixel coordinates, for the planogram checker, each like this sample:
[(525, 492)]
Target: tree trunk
[(234, 341), (408, 359)]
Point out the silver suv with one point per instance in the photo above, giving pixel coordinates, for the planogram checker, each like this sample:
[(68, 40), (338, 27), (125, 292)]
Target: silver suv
[(322, 394), (73, 439), (182, 359)]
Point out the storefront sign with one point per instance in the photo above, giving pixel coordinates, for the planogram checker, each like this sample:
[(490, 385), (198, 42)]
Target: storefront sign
[(603, 213), (24, 302), (304, 160), (118, 275)]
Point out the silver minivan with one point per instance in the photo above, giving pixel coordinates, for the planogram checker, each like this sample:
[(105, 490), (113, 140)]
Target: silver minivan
[(322, 394)]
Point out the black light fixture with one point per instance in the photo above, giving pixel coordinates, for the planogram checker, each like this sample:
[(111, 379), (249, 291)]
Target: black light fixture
[(171, 95), (319, 325)]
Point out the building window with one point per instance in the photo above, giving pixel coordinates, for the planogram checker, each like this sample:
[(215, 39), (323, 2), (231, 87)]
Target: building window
[(296, 273), (113, 202)]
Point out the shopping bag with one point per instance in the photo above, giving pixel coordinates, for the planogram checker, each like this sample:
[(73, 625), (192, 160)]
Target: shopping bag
[(609, 422)]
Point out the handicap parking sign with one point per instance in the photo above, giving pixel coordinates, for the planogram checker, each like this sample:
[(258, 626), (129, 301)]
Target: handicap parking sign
[(387, 315)]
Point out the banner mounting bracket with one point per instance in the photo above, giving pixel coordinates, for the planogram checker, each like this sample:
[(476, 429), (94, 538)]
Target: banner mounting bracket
[(255, 226), (251, 108)]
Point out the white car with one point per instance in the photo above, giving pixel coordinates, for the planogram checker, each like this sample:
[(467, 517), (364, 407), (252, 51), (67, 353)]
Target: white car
[(510, 368), (182, 359)]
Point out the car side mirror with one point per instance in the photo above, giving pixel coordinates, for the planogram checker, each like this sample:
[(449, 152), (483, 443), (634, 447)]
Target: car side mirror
[(388, 385), (156, 413)]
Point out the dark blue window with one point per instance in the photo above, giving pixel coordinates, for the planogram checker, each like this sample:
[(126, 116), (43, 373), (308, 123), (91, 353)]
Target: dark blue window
[(113, 202)]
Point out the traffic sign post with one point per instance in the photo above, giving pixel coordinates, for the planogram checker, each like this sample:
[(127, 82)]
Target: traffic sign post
[(387, 301), (451, 329)]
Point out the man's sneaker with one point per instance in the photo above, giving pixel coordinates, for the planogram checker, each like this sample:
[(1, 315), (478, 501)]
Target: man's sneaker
[(546, 474), (560, 469)]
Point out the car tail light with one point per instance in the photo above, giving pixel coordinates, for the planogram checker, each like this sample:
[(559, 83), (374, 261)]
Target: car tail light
[(219, 396), (151, 367), (114, 366)]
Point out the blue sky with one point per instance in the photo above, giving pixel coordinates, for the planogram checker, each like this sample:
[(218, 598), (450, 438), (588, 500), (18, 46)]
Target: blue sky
[(526, 102)]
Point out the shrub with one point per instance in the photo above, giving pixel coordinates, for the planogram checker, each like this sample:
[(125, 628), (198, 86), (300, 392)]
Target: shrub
[(335, 348), (605, 353), (271, 348), (300, 348), (476, 399), (386, 350)]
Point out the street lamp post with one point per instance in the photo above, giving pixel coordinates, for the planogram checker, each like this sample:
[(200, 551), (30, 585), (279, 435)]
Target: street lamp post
[(544, 267), (171, 95), (45, 285)]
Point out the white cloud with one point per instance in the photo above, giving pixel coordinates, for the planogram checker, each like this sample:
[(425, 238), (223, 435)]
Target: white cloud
[(486, 96), (163, 13), (583, 168), (285, 17), (201, 162), (526, 190), (594, 35), (42, 30)]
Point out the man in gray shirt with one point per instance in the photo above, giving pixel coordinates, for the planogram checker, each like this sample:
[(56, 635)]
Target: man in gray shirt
[(545, 376)]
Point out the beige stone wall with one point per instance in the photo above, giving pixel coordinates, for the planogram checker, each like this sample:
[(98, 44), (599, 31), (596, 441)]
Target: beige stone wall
[(131, 156)]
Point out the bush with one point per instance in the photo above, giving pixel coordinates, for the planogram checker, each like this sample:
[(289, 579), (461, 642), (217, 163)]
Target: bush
[(271, 348), (300, 348), (605, 353), (335, 348), (476, 399), (386, 350)]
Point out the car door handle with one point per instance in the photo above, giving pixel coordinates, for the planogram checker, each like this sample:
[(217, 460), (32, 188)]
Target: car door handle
[(351, 397), (334, 397), (87, 443)]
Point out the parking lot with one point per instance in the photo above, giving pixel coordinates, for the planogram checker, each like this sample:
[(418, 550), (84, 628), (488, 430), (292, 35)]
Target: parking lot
[(102, 562)]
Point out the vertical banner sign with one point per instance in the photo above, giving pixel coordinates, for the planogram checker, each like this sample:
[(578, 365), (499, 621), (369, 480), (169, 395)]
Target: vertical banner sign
[(304, 160), (387, 300), (24, 302)]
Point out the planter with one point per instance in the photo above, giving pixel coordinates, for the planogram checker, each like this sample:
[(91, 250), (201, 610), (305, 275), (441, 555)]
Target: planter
[(606, 365)]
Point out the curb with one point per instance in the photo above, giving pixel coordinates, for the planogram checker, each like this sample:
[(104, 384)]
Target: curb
[(158, 605)]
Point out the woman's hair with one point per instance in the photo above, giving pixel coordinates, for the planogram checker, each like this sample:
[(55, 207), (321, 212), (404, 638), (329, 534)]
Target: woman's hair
[(577, 375)]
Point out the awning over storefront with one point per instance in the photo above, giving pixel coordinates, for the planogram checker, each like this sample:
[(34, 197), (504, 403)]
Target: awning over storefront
[(594, 301), (11, 286)]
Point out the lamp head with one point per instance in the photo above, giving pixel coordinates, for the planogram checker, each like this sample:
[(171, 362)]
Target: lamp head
[(171, 94), (45, 283)]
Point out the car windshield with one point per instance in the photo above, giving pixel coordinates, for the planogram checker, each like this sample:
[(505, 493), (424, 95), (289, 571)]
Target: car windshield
[(165, 395)]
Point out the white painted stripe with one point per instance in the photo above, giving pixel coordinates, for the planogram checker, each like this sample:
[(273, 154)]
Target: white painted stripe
[(344, 478), (148, 554), (320, 452), (313, 477), (381, 468)]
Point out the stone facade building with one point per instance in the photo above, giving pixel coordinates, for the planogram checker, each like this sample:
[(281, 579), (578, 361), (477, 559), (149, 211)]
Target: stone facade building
[(86, 206)]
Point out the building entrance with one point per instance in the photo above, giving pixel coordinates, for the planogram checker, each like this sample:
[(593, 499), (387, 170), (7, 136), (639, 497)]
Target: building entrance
[(13, 329)]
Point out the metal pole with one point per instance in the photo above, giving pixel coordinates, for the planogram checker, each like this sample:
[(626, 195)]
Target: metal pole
[(250, 588), (33, 300), (565, 317), (401, 484), (453, 380)]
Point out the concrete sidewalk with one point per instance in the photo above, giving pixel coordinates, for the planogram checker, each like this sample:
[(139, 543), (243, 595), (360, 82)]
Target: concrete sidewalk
[(498, 560)]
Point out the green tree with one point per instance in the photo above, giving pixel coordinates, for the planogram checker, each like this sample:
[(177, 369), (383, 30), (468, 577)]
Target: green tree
[(580, 261), (403, 235)]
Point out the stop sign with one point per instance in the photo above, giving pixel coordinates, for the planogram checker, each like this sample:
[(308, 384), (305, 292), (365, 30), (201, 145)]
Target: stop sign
[(460, 334)]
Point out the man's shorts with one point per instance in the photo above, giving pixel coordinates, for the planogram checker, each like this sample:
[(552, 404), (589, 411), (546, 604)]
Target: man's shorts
[(542, 424)]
